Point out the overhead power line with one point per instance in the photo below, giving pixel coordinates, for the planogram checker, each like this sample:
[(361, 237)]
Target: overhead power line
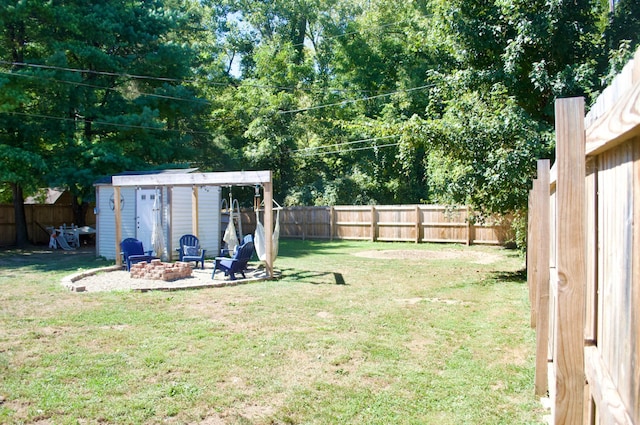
[(25, 114), (348, 101), (315, 148), (203, 81), (80, 84), (349, 150), (201, 101)]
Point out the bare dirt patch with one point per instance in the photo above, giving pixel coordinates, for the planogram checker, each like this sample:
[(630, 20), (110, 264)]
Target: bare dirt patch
[(421, 255)]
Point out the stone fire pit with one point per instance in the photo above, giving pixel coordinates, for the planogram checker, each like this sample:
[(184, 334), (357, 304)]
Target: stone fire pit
[(157, 270)]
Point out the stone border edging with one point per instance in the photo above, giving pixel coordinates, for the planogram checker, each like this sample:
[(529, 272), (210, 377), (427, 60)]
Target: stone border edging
[(69, 281)]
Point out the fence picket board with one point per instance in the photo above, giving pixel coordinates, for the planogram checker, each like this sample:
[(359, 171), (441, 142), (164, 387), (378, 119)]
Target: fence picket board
[(541, 265), (611, 408), (569, 357), (635, 279), (410, 223), (398, 223), (594, 277)]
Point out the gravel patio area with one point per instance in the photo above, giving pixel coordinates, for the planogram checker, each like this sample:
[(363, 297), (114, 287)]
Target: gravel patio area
[(114, 278)]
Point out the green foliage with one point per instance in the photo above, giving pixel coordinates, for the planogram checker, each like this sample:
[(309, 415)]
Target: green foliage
[(346, 101), (85, 124), (483, 150)]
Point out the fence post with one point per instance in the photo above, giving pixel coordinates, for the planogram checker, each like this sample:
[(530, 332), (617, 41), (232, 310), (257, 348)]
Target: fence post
[(471, 231), (541, 244), (532, 252), (373, 223), (331, 222), (571, 261), (418, 223), (304, 223)]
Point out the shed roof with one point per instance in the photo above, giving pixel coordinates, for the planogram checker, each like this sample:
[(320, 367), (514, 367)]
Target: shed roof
[(47, 196)]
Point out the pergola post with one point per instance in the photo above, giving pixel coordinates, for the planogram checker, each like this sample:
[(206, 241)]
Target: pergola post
[(268, 225), (118, 223), (194, 211)]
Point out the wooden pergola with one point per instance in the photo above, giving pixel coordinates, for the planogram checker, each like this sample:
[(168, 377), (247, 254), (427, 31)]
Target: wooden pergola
[(196, 180)]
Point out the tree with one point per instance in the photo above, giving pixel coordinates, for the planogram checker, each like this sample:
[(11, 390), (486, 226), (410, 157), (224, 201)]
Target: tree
[(94, 88), (348, 101)]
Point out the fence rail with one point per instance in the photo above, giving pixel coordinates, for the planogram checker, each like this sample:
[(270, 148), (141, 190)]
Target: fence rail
[(583, 259), (392, 223)]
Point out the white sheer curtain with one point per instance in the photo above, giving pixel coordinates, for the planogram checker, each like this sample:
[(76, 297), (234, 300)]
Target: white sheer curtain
[(259, 238)]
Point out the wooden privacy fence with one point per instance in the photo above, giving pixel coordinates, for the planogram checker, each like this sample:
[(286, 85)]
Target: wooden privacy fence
[(397, 223), (584, 259), (36, 215)]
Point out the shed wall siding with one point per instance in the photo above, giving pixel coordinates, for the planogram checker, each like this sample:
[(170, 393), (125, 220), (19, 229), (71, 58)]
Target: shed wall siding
[(105, 220), (180, 212), (209, 221)]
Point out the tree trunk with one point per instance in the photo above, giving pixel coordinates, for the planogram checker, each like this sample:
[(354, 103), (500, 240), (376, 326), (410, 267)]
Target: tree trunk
[(22, 236), (79, 211)]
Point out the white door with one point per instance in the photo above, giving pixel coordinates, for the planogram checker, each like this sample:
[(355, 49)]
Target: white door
[(144, 216)]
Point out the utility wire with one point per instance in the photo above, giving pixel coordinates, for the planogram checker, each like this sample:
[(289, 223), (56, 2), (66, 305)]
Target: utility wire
[(181, 81), (77, 83), (304, 152), (201, 101), (175, 80), (244, 83), (349, 150), (342, 144), (348, 101), (104, 123)]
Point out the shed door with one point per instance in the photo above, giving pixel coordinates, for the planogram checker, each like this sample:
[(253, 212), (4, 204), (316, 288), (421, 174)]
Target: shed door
[(144, 216)]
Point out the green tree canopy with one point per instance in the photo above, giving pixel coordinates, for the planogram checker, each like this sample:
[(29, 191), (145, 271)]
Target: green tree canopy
[(347, 101)]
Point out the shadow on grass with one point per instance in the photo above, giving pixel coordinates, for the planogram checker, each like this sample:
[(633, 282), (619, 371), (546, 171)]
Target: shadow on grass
[(519, 276), (494, 278), (296, 248), (313, 277), (41, 258)]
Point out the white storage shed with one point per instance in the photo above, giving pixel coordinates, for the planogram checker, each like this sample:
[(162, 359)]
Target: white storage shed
[(185, 201)]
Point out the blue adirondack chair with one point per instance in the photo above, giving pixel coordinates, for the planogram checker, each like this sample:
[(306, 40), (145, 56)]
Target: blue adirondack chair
[(190, 250), (235, 264), (133, 252)]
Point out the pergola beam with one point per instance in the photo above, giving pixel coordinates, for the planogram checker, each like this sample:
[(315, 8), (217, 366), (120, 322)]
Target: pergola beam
[(231, 178)]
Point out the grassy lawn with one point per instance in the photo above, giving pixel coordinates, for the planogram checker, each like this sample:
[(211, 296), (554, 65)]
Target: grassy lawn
[(353, 333)]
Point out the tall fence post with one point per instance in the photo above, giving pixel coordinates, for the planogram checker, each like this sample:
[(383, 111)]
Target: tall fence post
[(571, 261), (541, 234), (470, 228), (418, 221), (532, 252), (373, 223), (332, 221), (304, 224)]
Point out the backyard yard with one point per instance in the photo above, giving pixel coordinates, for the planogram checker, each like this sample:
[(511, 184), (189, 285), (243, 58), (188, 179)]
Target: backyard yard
[(352, 333)]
